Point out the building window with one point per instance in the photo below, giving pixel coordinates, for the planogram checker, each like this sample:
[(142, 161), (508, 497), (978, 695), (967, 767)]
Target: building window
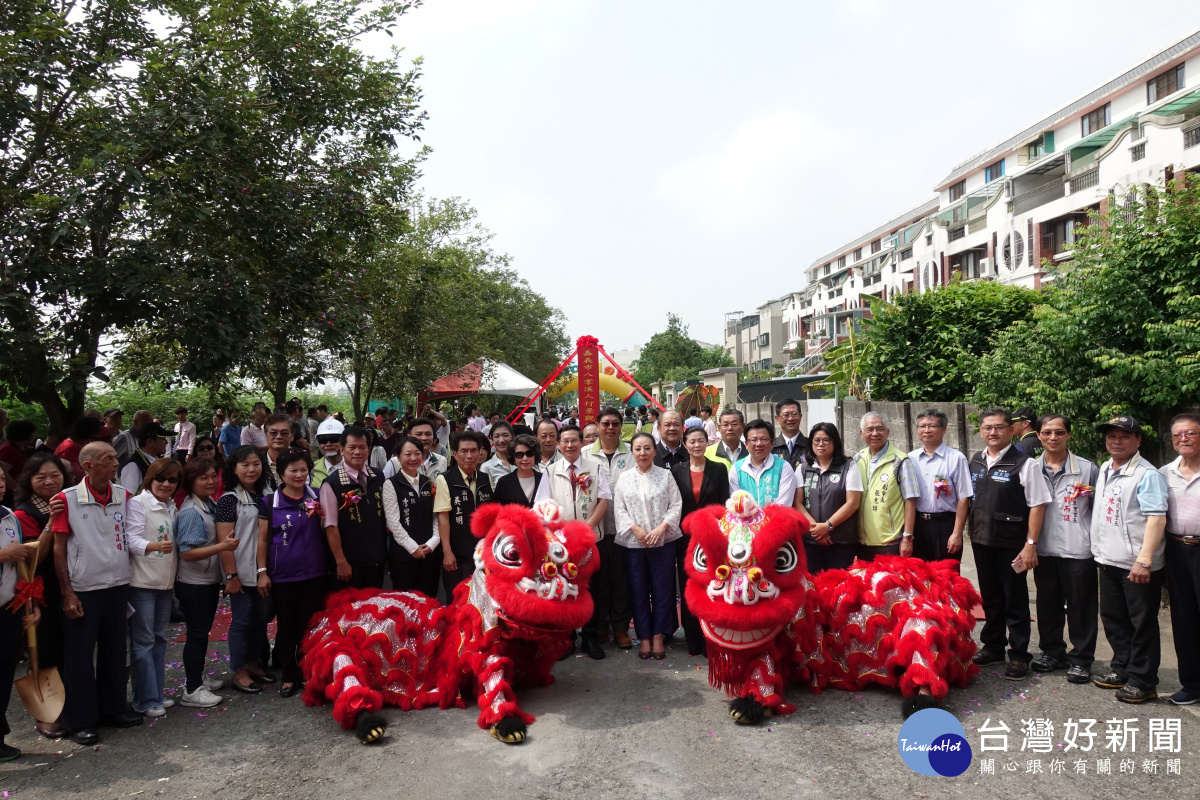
[(1137, 152), (763, 339), (858, 254), (906, 254), (956, 192), (876, 246), (994, 171), (841, 262), (1014, 251), (1164, 85), (825, 270), (1100, 118)]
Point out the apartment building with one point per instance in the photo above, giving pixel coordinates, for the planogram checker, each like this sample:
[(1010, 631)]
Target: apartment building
[(757, 341), (997, 215)]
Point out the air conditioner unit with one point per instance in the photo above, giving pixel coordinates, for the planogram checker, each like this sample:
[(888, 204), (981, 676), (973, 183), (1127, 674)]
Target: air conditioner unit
[(985, 266)]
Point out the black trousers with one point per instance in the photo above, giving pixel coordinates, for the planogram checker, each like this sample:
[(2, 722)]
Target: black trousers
[(821, 557), (94, 672), (49, 629), (1183, 581), (691, 625), (1005, 601), (362, 576), (930, 537), (12, 642), (416, 574), (609, 586), (868, 552), (452, 578), (1071, 581), (295, 604), (1129, 612), (198, 602)]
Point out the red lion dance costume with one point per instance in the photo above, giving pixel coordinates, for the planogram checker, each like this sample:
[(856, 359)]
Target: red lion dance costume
[(506, 626), (899, 622)]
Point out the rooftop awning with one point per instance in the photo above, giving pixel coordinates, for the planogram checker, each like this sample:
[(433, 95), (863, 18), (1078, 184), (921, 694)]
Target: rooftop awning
[(1180, 105), (497, 378), (1101, 137)]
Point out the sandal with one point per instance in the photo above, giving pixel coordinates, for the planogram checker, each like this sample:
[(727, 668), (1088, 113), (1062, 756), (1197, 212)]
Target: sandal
[(251, 688)]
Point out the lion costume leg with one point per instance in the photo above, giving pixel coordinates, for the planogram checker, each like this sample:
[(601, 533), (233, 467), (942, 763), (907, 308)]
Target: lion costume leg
[(498, 710), (762, 691)]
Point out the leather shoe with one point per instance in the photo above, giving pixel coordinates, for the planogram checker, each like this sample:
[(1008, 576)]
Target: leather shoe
[(126, 719), (1048, 663), (1016, 670), (289, 690), (603, 634), (986, 657), (592, 649), (85, 736), (622, 639)]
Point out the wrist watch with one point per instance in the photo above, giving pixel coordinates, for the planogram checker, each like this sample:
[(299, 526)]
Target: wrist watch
[(906, 536), (230, 576), (261, 570), (1146, 564)]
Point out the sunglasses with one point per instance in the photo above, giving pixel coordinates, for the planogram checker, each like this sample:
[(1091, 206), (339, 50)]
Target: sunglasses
[(524, 454), (279, 434), (328, 439), (204, 447), (161, 479), (610, 424)]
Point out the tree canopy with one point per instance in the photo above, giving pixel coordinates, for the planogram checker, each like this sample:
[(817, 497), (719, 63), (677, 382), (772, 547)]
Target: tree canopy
[(672, 355), (1118, 329)]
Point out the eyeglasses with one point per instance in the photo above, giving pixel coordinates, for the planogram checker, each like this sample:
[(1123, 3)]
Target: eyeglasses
[(610, 424), (161, 479), (279, 434), (758, 441), (1178, 437), (928, 427), (1053, 434), (993, 428), (524, 454), (874, 430)]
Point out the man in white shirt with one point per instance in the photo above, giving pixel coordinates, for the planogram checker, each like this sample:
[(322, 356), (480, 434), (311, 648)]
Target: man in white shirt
[(185, 434), (253, 433), (946, 491), (475, 420), (710, 425)]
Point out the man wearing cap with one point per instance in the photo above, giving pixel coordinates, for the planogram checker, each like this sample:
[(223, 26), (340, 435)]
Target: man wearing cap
[(1024, 430), (1128, 525), (329, 439), (1066, 572), (1011, 496), (1183, 553), (113, 419), (152, 444)]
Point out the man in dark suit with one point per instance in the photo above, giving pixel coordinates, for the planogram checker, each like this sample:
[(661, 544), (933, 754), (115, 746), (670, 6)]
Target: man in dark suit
[(702, 482), (791, 445), (670, 450)]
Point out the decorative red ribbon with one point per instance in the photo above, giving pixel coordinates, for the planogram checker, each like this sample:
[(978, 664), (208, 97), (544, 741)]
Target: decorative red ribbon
[(26, 591)]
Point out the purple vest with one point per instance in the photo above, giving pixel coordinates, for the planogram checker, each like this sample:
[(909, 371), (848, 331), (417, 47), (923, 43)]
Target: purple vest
[(297, 540)]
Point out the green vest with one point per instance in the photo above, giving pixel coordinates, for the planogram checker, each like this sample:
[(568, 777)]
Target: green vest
[(881, 517)]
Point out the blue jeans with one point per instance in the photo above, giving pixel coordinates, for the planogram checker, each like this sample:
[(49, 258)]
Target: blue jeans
[(148, 645), (651, 575), (247, 629)]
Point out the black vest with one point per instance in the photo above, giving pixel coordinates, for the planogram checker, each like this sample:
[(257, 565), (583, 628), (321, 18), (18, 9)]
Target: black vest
[(416, 513), (462, 508), (361, 525), (823, 496), (999, 513)]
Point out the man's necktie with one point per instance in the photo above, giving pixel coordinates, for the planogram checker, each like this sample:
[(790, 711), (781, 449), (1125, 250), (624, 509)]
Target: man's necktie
[(571, 475)]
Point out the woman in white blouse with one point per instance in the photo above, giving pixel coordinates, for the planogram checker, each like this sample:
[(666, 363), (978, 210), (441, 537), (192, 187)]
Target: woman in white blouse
[(648, 506), (408, 508)]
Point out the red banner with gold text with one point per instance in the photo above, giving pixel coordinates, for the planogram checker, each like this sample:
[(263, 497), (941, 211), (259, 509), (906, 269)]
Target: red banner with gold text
[(589, 379)]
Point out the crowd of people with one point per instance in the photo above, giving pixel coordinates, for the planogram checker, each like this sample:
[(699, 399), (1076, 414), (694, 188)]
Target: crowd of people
[(276, 513)]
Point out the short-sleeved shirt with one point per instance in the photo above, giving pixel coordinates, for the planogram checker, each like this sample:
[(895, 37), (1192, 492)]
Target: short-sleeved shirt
[(1183, 500), (947, 463), (910, 487), (1033, 480)]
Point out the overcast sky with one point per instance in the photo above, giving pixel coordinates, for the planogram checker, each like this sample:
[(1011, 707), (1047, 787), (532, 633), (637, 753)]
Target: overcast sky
[(636, 158)]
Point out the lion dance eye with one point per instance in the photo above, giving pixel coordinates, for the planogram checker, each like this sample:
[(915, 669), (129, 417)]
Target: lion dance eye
[(785, 559), (699, 560), (506, 552)]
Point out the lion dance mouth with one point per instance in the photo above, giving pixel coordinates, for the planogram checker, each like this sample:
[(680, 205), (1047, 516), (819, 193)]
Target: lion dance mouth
[(899, 622)]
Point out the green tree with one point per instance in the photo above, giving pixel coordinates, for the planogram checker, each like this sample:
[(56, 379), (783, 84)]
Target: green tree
[(1119, 328), (182, 167), (433, 298), (926, 346), (672, 355)]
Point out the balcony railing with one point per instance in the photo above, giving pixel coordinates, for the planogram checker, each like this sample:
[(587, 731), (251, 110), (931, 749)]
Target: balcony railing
[(1085, 181), (1191, 136), (1040, 196), (957, 233), (977, 224)]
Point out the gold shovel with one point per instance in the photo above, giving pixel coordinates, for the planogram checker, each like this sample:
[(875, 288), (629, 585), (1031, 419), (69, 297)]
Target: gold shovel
[(42, 693)]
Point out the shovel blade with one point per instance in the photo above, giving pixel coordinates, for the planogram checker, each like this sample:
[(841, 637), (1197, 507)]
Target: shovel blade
[(42, 694)]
